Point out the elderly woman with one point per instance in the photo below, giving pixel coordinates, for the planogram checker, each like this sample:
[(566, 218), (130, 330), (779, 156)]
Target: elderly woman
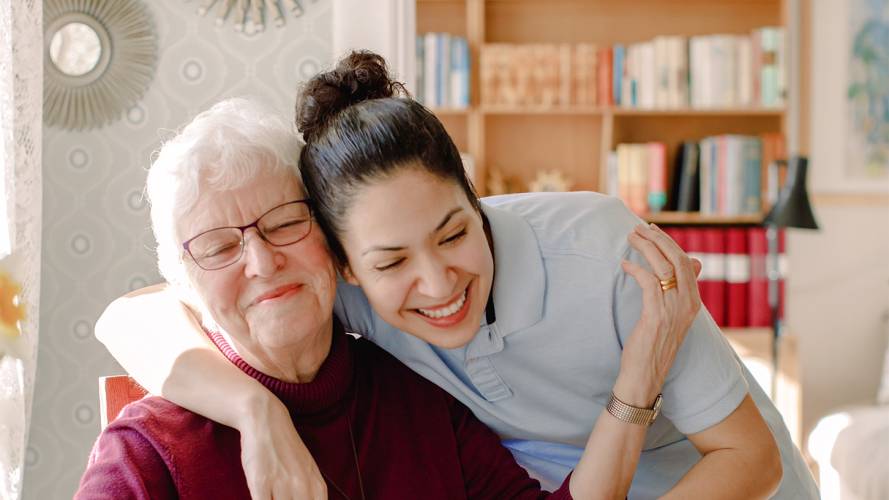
[(236, 238)]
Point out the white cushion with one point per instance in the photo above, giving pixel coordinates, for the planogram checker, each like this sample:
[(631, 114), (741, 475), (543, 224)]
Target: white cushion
[(861, 453), (883, 393)]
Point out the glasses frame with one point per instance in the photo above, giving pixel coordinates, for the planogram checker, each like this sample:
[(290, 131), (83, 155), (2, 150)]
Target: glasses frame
[(185, 244)]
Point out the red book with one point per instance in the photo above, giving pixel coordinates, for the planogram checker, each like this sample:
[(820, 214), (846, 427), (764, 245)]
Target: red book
[(695, 246), (714, 268), (737, 277), (782, 270), (604, 74), (679, 235), (758, 298)]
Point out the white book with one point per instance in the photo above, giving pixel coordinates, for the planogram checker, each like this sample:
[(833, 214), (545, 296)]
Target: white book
[(430, 72), (649, 77), (679, 51), (745, 70), (696, 46), (444, 64), (662, 80), (781, 61)]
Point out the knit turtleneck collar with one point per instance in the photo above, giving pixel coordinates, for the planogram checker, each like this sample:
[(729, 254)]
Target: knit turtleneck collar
[(330, 384)]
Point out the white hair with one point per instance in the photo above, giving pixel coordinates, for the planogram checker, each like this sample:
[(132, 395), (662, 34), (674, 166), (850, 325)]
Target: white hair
[(222, 148)]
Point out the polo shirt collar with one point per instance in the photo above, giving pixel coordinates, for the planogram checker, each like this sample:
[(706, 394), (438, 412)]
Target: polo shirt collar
[(519, 275)]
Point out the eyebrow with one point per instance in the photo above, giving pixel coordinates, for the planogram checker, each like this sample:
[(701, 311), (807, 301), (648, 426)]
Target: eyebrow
[(443, 223)]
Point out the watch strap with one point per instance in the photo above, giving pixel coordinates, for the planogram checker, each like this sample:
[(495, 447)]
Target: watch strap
[(631, 414)]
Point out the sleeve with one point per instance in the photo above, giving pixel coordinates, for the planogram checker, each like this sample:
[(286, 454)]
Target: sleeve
[(705, 384), (353, 309), (489, 470), (125, 466)]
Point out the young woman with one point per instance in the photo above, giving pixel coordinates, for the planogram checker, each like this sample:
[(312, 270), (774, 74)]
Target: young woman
[(522, 307)]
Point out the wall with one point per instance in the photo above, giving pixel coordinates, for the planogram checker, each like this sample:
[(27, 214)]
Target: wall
[(838, 285), (96, 237)]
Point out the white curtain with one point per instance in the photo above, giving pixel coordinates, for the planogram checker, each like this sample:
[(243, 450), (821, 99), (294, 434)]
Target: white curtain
[(21, 109)]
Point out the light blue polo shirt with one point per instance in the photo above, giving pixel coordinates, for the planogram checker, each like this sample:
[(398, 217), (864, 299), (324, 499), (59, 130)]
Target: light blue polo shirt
[(541, 374)]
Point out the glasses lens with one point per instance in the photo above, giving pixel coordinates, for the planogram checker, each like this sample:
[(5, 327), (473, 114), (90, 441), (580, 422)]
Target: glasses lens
[(217, 248), (286, 224)]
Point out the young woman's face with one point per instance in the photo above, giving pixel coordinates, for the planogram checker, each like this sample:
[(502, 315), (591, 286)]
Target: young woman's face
[(418, 249)]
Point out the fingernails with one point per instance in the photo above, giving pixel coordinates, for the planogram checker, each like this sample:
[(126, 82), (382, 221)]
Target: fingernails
[(654, 226)]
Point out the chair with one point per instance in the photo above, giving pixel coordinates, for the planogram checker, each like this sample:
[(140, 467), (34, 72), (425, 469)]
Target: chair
[(115, 392)]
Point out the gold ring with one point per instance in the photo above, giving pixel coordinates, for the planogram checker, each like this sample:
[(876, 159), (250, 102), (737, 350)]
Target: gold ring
[(668, 283)]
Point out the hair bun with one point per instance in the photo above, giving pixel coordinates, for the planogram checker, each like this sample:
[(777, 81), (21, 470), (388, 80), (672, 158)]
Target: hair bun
[(360, 76)]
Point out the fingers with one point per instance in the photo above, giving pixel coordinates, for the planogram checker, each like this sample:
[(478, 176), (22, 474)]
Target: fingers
[(678, 259), (697, 266), (661, 267)]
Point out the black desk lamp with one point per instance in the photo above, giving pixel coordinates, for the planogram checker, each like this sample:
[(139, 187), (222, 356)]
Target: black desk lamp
[(791, 209)]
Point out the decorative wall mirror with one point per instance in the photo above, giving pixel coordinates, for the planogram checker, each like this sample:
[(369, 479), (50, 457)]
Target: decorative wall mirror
[(99, 58)]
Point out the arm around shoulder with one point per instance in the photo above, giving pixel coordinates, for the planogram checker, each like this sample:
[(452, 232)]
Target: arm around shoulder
[(740, 458)]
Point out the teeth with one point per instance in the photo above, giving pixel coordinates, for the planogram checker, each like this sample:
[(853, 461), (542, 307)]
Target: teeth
[(446, 311)]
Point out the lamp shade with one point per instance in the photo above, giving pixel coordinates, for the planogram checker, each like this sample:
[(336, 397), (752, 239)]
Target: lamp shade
[(793, 208)]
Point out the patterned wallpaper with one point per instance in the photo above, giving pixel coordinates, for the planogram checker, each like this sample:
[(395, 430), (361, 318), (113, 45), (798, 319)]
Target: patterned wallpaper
[(96, 236)]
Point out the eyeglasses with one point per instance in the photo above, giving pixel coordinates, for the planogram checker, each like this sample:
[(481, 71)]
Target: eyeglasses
[(223, 246)]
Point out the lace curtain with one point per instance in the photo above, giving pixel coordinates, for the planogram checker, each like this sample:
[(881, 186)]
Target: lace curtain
[(21, 108)]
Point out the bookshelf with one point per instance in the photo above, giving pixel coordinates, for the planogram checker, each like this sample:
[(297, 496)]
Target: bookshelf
[(519, 141)]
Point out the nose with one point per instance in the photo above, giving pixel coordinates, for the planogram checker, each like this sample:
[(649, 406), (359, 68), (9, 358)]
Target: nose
[(435, 278), (261, 259)]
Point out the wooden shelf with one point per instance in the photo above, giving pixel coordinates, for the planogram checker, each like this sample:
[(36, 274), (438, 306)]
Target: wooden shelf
[(520, 141), (666, 218), (619, 111), (748, 332), (698, 112), (543, 110), (450, 111)]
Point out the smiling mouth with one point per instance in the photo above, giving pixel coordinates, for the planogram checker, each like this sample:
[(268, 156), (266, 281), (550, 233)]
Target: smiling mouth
[(278, 292), (446, 311)]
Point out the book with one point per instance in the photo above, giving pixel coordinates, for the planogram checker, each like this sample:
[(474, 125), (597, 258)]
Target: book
[(604, 76), (617, 74), (737, 277), (758, 314), (657, 176), (714, 265), (686, 180)]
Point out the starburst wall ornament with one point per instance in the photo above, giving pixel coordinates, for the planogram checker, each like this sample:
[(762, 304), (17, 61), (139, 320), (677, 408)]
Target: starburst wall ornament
[(250, 16)]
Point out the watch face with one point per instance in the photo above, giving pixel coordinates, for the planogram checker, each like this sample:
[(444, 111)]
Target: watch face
[(656, 410)]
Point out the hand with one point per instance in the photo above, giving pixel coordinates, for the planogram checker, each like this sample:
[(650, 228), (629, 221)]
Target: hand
[(277, 464), (666, 314)]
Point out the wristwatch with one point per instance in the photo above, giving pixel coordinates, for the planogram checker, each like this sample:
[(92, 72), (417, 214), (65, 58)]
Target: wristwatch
[(631, 414)]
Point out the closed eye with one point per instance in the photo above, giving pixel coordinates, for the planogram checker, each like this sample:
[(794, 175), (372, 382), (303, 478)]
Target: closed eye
[(286, 224), (391, 265), (455, 237)]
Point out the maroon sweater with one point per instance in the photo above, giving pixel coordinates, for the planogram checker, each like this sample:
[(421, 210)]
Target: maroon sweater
[(413, 439)]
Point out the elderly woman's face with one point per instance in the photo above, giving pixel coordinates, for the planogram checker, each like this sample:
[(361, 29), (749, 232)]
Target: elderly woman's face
[(272, 297)]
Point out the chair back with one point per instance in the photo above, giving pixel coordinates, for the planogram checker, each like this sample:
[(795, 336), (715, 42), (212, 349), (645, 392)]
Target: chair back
[(115, 392)]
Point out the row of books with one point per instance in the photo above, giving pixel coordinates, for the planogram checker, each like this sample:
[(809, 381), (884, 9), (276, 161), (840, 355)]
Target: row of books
[(538, 74), (707, 71), (718, 175), (734, 281), (442, 70)]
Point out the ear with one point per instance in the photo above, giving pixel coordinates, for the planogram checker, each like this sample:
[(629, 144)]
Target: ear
[(347, 275)]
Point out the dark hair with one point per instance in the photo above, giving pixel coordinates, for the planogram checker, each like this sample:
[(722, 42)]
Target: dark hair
[(360, 126)]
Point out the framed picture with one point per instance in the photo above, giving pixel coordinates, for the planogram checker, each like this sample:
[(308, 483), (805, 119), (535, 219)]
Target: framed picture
[(850, 96)]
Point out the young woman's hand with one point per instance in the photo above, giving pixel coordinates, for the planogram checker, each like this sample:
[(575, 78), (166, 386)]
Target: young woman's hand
[(277, 464), (666, 317)]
